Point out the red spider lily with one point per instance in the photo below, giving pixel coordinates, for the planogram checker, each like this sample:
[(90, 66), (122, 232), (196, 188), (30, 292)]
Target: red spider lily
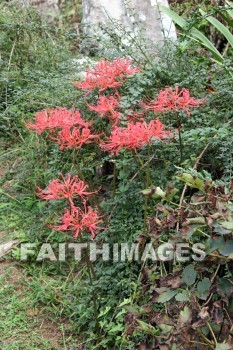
[(68, 187), (136, 135), (80, 221), (171, 99), (120, 67), (106, 106), (90, 220), (56, 118), (107, 74), (75, 137)]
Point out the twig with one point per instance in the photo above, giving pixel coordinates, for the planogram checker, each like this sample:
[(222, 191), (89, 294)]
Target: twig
[(210, 328), (205, 339), (212, 332)]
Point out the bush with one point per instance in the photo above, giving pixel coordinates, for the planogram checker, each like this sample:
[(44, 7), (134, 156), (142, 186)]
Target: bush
[(175, 188)]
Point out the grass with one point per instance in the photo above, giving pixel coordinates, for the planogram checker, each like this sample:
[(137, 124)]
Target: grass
[(20, 326), (31, 295), (31, 308)]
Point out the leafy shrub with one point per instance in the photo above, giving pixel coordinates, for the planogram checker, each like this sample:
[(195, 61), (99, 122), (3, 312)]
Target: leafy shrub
[(130, 299), (35, 65)]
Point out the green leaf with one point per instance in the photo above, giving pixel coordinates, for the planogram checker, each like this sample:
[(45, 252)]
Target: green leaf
[(119, 314), (166, 296), (197, 220), (147, 328), (105, 311), (223, 29), (115, 329), (166, 328), (123, 188), (154, 192), (125, 302), (102, 323), (228, 225), (4, 205), (225, 287), (201, 38), (218, 228), (185, 314), (225, 17), (189, 275), (146, 192), (182, 296), (230, 9), (190, 229), (191, 181), (174, 16), (204, 285), (213, 244), (227, 248), (158, 193), (222, 346)]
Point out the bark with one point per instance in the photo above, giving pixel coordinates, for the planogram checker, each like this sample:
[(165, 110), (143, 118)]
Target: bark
[(141, 16)]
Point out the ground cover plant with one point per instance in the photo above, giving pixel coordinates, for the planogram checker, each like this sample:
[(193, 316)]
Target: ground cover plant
[(135, 151)]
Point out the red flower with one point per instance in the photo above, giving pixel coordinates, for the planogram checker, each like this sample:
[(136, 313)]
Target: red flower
[(107, 74), (134, 136), (78, 221), (75, 137), (90, 220), (106, 106), (56, 118), (169, 99), (66, 220), (68, 187)]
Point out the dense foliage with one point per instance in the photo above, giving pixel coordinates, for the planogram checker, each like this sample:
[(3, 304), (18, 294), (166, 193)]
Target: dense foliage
[(127, 177)]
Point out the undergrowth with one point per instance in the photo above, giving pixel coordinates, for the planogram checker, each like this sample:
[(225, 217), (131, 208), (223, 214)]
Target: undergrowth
[(149, 305)]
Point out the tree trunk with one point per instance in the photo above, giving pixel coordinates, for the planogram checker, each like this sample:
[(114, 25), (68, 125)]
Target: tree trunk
[(142, 16)]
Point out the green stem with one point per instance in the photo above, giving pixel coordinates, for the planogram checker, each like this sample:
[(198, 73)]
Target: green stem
[(145, 214), (92, 275), (212, 333), (181, 144), (138, 157), (114, 180), (180, 137), (147, 182)]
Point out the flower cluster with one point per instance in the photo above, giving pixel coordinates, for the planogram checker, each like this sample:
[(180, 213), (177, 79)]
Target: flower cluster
[(173, 99), (66, 127), (80, 221), (107, 75), (56, 118), (135, 135), (67, 187), (74, 137), (75, 219)]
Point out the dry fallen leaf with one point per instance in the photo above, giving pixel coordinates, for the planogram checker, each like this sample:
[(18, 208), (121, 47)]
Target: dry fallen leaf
[(204, 314), (6, 247), (33, 312)]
